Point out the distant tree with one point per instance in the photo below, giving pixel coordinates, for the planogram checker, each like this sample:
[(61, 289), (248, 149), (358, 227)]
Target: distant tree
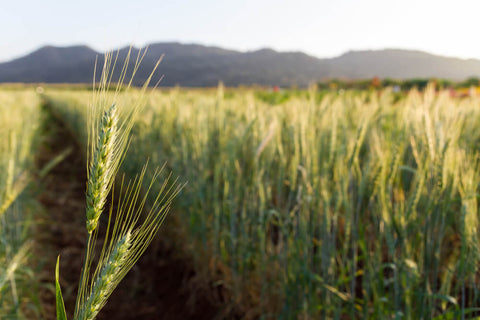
[(418, 83), (338, 84), (388, 82), (334, 84), (376, 83), (322, 85), (470, 82), (443, 84)]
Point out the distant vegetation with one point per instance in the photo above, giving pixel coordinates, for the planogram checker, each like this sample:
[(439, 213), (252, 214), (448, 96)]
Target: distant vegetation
[(404, 85)]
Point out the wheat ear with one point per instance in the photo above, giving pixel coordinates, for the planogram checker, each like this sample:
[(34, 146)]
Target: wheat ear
[(101, 169), (107, 279)]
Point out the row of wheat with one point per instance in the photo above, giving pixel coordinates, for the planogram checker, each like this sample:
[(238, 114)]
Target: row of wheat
[(357, 204)]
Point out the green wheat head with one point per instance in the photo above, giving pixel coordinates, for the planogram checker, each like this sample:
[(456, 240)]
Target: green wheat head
[(102, 169), (128, 234)]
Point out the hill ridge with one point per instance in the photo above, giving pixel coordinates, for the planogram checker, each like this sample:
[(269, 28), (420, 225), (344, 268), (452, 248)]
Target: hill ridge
[(190, 64)]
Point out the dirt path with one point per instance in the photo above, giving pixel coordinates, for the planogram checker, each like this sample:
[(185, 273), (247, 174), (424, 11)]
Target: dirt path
[(161, 286)]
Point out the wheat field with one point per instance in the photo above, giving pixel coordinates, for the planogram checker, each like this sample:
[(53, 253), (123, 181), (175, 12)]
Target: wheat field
[(302, 204)]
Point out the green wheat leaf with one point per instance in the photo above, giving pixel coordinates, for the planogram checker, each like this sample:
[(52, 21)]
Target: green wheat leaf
[(61, 314)]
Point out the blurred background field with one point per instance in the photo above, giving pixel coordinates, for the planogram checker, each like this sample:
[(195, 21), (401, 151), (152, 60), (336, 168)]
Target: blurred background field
[(20, 122), (315, 203)]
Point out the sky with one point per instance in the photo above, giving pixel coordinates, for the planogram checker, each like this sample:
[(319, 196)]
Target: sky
[(322, 28)]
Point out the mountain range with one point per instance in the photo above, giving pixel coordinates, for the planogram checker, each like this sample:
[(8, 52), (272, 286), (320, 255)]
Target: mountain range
[(194, 65)]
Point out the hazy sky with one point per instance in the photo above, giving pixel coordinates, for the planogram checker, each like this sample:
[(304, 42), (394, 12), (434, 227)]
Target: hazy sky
[(321, 28)]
